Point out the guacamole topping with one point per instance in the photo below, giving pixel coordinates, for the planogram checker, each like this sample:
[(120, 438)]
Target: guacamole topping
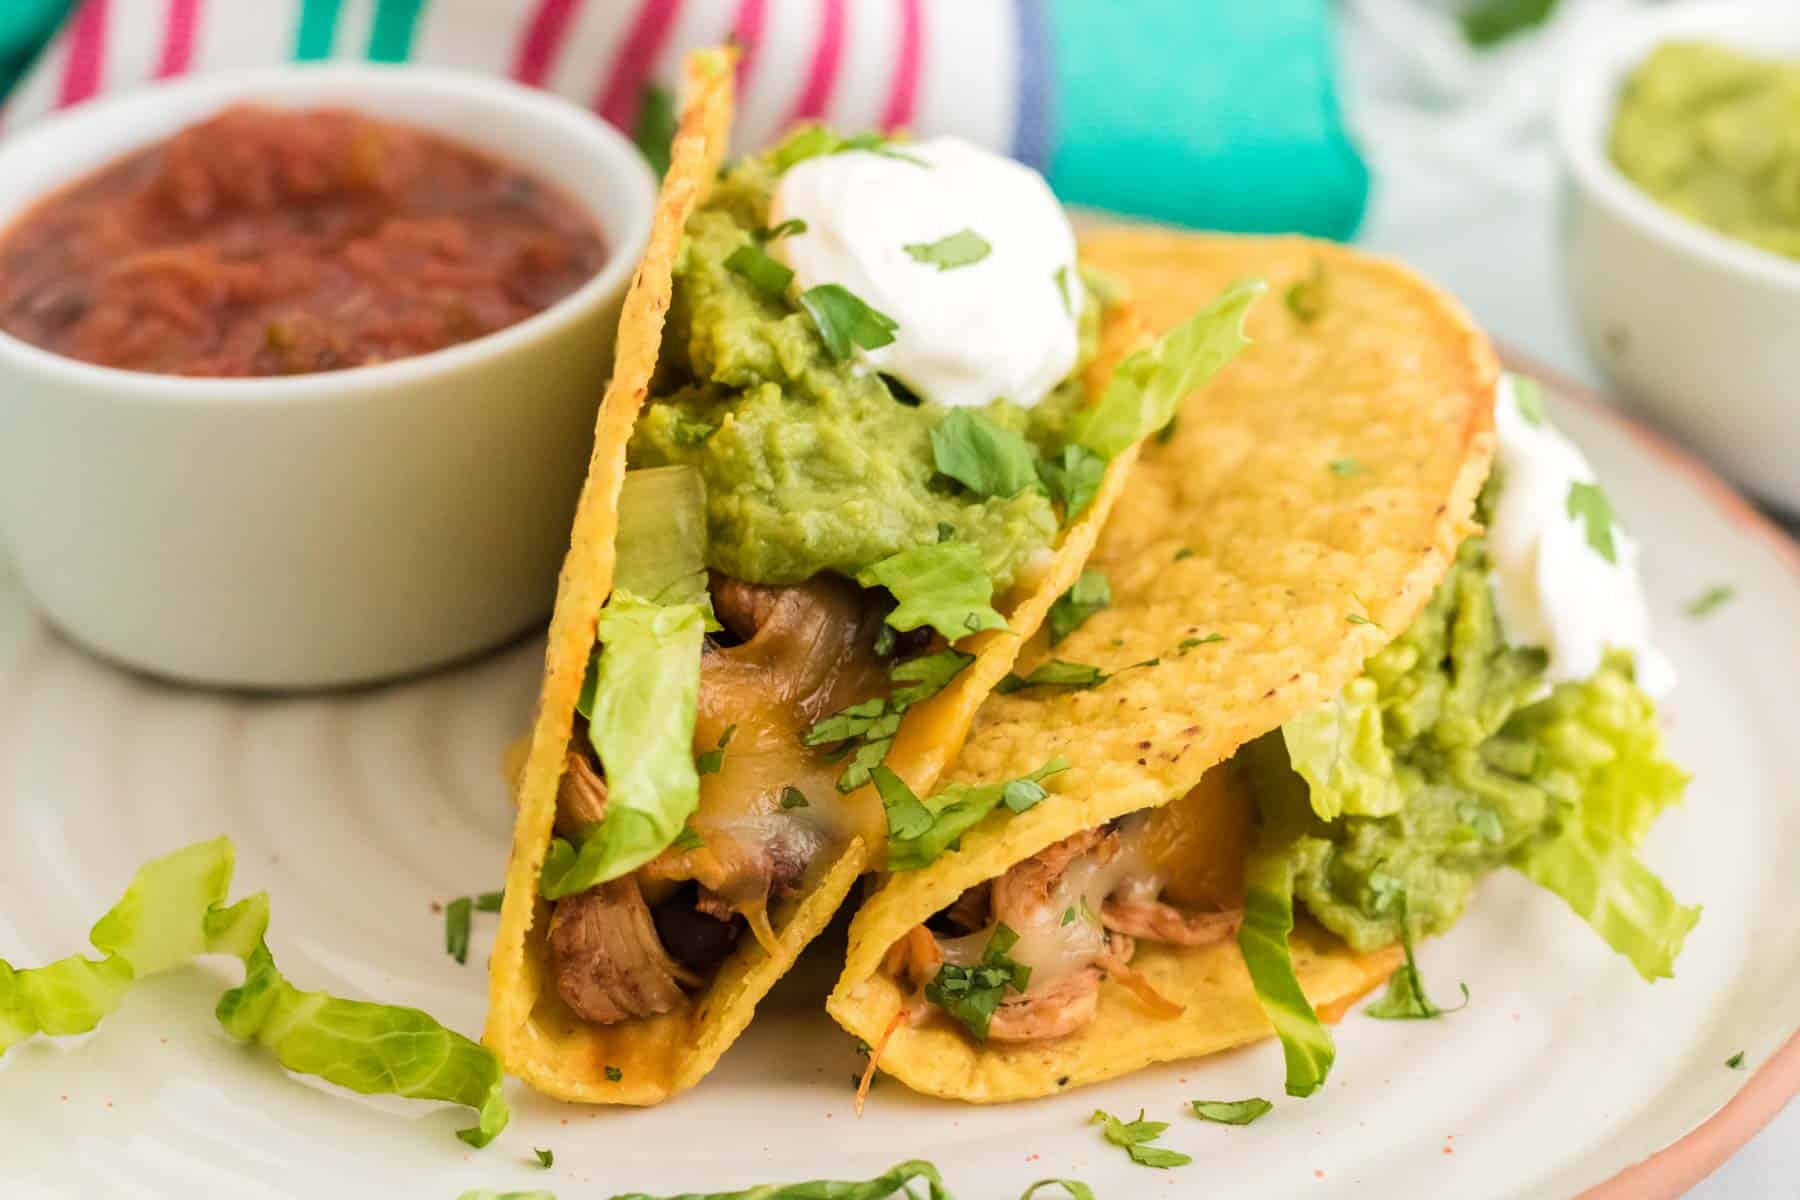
[(1450, 756), (812, 461), (1707, 131)]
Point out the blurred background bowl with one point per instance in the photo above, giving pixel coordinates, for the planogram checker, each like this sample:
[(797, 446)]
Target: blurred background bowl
[(325, 529), (1699, 330)]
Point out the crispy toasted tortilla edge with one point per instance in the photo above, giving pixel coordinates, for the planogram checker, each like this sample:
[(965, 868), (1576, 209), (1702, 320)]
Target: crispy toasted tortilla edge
[(648, 1060), (938, 1059)]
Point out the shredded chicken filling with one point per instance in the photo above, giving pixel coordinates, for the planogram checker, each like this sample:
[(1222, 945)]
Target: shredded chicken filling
[(638, 946), (1079, 909)]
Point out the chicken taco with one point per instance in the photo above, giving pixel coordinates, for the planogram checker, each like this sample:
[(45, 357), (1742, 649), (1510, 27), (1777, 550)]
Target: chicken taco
[(867, 416), (1334, 660)]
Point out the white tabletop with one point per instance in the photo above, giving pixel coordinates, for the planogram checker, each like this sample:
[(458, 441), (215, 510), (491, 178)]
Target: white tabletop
[(1465, 192)]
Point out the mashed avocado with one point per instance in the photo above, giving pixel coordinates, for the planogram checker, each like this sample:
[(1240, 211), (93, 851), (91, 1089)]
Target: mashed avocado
[(1710, 133), (1447, 759), (813, 464)]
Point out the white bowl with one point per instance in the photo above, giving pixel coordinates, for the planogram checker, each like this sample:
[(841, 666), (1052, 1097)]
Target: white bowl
[(1700, 330), (323, 529)]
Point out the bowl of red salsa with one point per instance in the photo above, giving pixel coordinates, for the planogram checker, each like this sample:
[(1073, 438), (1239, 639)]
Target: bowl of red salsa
[(298, 368)]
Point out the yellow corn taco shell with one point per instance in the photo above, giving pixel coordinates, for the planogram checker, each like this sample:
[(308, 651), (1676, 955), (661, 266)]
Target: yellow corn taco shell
[(1235, 526), (647, 1060)]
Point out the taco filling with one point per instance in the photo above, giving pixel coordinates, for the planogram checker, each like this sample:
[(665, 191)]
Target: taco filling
[(867, 429), (1512, 724)]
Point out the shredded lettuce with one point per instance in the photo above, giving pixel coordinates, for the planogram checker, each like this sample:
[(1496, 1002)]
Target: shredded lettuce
[(641, 722), (890, 1183), (1149, 384), (173, 911), (661, 545), (943, 585), (1339, 750)]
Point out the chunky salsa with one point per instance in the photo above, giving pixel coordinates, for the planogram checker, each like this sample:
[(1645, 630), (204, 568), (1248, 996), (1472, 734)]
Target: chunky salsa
[(284, 242)]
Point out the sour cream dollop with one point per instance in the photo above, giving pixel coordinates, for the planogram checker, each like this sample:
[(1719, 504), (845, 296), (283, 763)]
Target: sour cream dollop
[(1002, 326), (1551, 587)]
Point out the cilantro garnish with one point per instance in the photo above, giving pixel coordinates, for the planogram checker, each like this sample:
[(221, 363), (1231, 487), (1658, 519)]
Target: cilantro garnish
[(1712, 598), (1491, 21), (1343, 468), (1136, 1136), (1076, 1189), (613, 1074), (919, 831), (710, 762), (1405, 999), (654, 130), (456, 928), (1056, 673), (972, 994), (1089, 595), (1736, 1061), (793, 797), (545, 1158), (868, 728), (768, 276), (1589, 505), (1231, 1112), (791, 226), (984, 457), (1529, 397), (844, 321), (1189, 643), (1073, 478), (1305, 298), (1359, 619), (960, 249)]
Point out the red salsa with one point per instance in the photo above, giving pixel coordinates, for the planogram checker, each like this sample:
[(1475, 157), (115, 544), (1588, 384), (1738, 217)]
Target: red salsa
[(282, 242)]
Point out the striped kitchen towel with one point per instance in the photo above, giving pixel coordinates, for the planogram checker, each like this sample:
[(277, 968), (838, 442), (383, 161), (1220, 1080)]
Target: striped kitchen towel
[(1205, 112)]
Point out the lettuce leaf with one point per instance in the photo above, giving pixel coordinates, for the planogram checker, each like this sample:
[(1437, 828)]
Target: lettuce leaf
[(381, 1049), (641, 723), (943, 585), (173, 911), (1149, 384), (1339, 749), (1596, 873), (1306, 1044)]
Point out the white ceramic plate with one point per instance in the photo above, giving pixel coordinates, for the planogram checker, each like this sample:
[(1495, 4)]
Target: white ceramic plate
[(358, 812)]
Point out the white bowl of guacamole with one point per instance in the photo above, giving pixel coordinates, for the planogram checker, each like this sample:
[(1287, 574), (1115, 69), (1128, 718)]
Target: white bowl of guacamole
[(1681, 227)]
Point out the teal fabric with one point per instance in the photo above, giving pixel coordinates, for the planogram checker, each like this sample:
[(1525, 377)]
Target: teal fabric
[(1214, 113), (24, 27)]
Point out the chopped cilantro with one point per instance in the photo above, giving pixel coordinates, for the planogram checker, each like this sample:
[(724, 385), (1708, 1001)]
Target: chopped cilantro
[(984, 457), (1068, 917), (1343, 468), (770, 277), (1359, 619), (926, 675), (1489, 21), (1189, 643), (1305, 298), (919, 831), (654, 130), (793, 797), (1089, 595), (1736, 1061), (710, 762), (545, 1158), (1182, 553), (844, 321), (1056, 673), (1528, 395), (960, 249), (456, 928), (1136, 1136), (489, 902), (868, 729), (1231, 1112), (613, 1074), (787, 228), (972, 994), (1405, 999), (1589, 505), (1717, 595), (1073, 478)]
